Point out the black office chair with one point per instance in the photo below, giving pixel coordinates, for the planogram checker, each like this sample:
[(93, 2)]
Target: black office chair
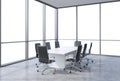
[(83, 55), (48, 45), (75, 63), (77, 43), (90, 48), (89, 52), (36, 48), (57, 45), (44, 59), (84, 50)]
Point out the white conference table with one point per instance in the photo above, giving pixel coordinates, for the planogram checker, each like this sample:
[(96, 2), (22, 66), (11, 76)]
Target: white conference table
[(60, 55)]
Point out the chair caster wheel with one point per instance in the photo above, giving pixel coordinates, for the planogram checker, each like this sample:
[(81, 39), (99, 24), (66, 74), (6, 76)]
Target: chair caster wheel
[(70, 72), (37, 70)]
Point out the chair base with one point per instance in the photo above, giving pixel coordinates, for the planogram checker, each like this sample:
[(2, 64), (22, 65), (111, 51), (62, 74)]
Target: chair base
[(45, 68)]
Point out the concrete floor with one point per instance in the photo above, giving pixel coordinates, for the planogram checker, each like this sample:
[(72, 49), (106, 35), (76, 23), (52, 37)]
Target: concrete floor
[(104, 68)]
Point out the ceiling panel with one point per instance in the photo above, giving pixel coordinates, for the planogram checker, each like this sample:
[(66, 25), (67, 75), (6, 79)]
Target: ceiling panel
[(70, 3)]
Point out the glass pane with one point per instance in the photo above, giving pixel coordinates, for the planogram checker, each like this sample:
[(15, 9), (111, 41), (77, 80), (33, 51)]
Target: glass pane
[(12, 52), (95, 46), (50, 23), (13, 20), (32, 51), (110, 48), (88, 22), (67, 23), (110, 21), (35, 20), (66, 43)]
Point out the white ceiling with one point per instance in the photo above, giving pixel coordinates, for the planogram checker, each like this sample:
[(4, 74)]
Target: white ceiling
[(70, 3)]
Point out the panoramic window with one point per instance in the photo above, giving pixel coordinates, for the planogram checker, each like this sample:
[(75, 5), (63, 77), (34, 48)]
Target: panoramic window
[(110, 28), (35, 25), (88, 26), (13, 31), (67, 25)]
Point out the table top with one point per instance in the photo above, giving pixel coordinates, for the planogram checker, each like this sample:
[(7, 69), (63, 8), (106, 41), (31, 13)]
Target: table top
[(62, 50)]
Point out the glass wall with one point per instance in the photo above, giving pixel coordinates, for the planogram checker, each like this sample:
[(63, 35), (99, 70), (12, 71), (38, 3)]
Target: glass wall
[(110, 31), (88, 26), (13, 20), (50, 26), (67, 25), (13, 30), (50, 23), (12, 52), (110, 48), (35, 26), (35, 20), (66, 43)]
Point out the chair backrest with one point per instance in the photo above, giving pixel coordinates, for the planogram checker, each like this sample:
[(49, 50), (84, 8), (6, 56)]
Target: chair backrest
[(48, 45), (43, 54), (77, 43), (36, 48), (84, 50), (90, 48), (57, 45), (79, 49)]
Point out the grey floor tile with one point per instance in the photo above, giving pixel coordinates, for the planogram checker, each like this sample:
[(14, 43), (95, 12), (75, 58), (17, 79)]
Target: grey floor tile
[(103, 69)]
